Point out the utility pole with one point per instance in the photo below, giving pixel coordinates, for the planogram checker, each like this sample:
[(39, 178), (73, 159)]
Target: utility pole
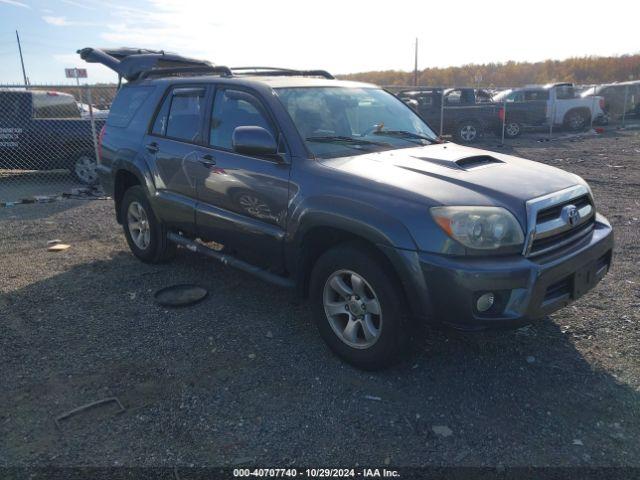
[(415, 66), (24, 73)]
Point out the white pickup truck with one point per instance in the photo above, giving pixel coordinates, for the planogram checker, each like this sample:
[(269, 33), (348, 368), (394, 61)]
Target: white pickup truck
[(569, 109), (537, 105)]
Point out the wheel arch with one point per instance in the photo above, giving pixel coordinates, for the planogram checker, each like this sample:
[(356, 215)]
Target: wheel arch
[(124, 178), (397, 253), (584, 110)]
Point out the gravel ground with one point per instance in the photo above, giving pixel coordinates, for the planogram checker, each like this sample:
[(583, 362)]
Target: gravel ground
[(243, 377)]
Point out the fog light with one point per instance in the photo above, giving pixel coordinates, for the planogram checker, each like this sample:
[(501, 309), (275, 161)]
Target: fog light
[(485, 302)]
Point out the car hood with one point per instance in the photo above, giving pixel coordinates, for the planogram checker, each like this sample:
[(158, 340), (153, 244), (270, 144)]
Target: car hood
[(450, 174)]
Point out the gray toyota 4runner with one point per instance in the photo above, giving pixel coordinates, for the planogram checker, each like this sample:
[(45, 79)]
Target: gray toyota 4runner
[(341, 192)]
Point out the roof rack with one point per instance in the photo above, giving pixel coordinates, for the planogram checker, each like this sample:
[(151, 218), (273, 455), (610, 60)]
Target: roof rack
[(137, 63), (276, 71)]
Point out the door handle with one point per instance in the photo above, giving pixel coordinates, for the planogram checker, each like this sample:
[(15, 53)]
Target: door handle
[(207, 160), (152, 147)]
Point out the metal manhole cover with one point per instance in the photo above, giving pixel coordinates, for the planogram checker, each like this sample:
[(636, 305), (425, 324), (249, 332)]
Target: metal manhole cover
[(180, 295)]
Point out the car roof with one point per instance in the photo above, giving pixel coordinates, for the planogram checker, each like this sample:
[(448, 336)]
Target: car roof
[(258, 80)]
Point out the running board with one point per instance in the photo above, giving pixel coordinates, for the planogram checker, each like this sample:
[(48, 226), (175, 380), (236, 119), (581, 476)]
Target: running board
[(231, 261)]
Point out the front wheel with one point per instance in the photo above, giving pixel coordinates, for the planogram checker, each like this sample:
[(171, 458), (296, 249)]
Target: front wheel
[(146, 235), (358, 307)]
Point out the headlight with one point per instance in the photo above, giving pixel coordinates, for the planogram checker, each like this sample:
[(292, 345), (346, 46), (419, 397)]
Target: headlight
[(482, 228)]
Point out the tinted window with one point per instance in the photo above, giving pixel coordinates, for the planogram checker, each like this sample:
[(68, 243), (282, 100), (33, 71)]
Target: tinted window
[(185, 114), (160, 123), (454, 98), (232, 109), (54, 105), (565, 92), (127, 103), (531, 95)]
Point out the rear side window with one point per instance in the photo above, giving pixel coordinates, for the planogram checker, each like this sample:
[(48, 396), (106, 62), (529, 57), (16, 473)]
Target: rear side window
[(54, 105), (532, 95), (565, 92), (181, 114), (127, 103)]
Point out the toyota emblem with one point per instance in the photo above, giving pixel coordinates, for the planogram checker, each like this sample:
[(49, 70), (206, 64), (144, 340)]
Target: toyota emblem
[(571, 214)]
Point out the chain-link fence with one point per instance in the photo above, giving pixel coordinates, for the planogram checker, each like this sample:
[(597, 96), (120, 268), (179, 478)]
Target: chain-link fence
[(48, 139), (470, 113)]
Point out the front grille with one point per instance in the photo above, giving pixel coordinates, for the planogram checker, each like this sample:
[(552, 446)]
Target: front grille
[(554, 211), (551, 229), (566, 238)]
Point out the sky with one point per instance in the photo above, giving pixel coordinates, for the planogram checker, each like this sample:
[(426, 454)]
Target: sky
[(343, 36)]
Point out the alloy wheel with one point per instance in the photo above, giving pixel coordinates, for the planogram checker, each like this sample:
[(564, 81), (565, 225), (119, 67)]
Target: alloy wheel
[(512, 129), (468, 133), (352, 309), (138, 224)]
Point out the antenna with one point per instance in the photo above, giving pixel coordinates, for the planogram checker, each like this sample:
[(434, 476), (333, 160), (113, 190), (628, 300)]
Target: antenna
[(415, 66), (24, 73)]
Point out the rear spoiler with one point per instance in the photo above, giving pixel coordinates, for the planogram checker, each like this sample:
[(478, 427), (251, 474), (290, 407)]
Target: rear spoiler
[(137, 63)]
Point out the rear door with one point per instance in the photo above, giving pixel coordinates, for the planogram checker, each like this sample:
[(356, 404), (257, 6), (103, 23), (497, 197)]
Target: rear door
[(173, 147), (242, 198)]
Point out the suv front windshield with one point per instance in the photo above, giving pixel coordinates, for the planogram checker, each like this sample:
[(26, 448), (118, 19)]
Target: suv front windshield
[(343, 121)]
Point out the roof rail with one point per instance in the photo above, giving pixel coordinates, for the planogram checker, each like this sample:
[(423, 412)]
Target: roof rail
[(276, 71), (204, 70), (137, 63)]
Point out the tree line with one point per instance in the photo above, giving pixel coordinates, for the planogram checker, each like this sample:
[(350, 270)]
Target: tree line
[(579, 70)]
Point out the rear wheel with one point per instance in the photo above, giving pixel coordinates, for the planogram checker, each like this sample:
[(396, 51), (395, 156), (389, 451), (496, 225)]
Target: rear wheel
[(146, 235), (575, 120), (468, 131), (84, 168), (512, 129), (358, 307)]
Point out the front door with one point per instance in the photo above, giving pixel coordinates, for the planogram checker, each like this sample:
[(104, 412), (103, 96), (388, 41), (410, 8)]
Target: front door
[(242, 199), (172, 149)]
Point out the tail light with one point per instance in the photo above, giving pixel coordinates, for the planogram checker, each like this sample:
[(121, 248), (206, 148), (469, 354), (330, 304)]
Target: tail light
[(100, 138), (501, 114)]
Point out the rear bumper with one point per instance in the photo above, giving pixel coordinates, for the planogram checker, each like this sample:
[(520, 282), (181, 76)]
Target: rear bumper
[(525, 289)]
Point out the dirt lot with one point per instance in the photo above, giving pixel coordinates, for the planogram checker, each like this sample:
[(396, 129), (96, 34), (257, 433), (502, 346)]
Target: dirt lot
[(243, 378)]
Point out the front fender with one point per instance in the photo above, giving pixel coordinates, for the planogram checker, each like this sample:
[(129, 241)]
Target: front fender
[(349, 215), (377, 227)]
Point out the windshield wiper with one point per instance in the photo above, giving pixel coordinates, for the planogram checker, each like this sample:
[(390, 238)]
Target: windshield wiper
[(405, 134), (346, 140)]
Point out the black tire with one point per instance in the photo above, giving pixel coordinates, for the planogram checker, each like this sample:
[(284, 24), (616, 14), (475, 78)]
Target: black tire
[(83, 168), (512, 129), (468, 131), (393, 323), (159, 248), (575, 120)]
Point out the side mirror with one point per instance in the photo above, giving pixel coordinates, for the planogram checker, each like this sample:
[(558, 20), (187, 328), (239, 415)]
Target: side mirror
[(253, 141)]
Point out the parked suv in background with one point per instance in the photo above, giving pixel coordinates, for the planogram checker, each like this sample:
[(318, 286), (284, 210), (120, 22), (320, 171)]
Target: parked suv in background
[(619, 98), (339, 190)]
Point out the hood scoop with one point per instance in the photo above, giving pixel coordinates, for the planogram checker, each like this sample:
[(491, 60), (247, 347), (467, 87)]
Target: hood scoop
[(465, 163)]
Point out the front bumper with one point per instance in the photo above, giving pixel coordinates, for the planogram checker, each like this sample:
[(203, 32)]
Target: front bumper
[(527, 289)]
